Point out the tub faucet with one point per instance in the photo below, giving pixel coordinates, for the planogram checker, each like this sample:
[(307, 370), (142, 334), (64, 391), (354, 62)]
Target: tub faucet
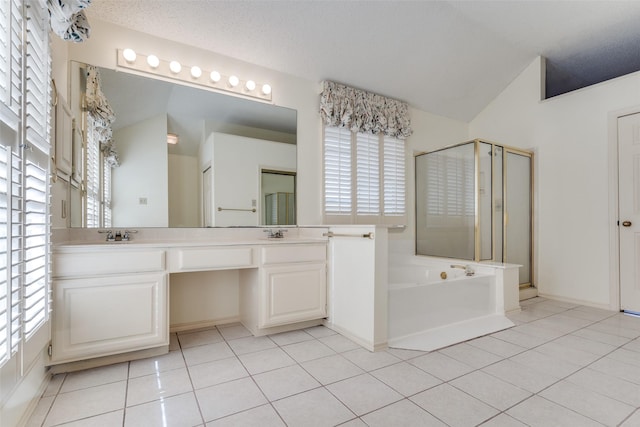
[(467, 269)]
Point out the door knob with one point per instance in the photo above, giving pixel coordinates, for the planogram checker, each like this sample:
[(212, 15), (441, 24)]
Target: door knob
[(626, 223)]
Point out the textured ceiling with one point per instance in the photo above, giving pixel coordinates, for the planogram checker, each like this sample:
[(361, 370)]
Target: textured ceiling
[(446, 57)]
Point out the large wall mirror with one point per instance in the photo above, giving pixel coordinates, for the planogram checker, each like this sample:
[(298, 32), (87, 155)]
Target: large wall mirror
[(234, 163)]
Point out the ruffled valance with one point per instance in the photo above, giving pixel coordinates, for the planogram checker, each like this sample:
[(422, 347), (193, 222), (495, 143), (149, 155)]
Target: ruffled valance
[(68, 20), (102, 115), (361, 111)]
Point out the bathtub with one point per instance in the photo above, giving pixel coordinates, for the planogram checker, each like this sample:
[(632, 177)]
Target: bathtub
[(427, 312)]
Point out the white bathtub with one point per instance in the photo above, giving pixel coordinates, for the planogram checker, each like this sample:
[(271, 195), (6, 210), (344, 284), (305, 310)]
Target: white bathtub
[(427, 312)]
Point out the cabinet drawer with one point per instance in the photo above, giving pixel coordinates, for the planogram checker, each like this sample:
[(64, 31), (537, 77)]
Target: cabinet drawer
[(107, 262), (294, 253), (196, 259)]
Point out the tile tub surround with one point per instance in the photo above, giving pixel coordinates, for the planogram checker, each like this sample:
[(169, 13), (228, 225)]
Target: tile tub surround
[(561, 365)]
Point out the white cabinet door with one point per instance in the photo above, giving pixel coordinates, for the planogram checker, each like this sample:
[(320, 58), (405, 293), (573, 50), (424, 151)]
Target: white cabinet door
[(100, 316), (292, 293)]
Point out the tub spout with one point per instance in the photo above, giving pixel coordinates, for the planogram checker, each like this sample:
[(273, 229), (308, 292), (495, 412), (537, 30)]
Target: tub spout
[(467, 269)]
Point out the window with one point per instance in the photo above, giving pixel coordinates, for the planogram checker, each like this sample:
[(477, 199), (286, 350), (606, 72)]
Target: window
[(364, 177), (24, 173)]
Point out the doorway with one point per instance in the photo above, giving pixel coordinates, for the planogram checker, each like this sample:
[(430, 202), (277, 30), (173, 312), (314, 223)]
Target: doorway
[(628, 222), (277, 196)]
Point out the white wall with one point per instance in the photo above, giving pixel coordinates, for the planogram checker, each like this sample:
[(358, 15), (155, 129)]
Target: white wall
[(569, 135), (237, 163), (185, 209), (142, 173)]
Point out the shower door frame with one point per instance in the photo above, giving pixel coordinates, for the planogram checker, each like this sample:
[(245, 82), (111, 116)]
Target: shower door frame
[(477, 242)]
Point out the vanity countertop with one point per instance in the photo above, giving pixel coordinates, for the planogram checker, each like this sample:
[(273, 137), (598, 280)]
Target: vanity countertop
[(90, 245)]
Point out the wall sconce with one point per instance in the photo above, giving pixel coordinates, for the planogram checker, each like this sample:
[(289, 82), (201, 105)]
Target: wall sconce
[(151, 64)]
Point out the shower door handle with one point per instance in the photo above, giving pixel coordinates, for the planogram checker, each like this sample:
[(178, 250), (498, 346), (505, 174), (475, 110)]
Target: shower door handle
[(626, 223)]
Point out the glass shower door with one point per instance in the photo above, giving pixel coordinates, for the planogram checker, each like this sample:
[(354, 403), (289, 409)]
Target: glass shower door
[(518, 213)]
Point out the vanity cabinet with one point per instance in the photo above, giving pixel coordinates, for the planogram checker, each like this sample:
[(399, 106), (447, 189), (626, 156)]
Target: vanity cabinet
[(108, 302), (291, 288)]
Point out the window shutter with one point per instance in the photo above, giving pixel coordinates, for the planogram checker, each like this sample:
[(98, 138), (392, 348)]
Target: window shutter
[(367, 174), (37, 82), (93, 176), (106, 193), (17, 239), (5, 294), (394, 173), (337, 171), (10, 59)]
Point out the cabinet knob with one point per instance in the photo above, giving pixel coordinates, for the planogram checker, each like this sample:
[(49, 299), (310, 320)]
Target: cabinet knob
[(626, 223)]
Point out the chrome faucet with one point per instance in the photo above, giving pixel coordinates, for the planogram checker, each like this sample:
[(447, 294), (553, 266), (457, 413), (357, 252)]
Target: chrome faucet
[(278, 234), (467, 269)]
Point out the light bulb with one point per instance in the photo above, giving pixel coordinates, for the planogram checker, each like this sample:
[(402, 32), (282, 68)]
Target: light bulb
[(153, 61), (129, 55), (196, 72), (215, 76), (266, 89), (175, 67), (233, 81), (250, 85)]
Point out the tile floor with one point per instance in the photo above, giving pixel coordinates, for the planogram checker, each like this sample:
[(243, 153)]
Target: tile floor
[(562, 365)]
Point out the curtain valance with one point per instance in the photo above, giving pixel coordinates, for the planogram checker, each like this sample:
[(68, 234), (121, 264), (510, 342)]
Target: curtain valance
[(102, 114), (361, 111), (68, 20)]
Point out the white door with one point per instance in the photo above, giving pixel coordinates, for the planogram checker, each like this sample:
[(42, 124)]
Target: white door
[(629, 204)]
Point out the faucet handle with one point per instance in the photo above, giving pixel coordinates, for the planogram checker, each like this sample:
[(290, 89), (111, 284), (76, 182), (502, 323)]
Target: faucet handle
[(127, 234), (109, 233)]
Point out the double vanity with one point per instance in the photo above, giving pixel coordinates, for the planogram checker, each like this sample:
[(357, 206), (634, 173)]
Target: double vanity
[(112, 298)]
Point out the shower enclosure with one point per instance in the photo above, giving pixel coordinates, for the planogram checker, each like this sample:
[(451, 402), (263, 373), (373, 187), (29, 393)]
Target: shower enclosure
[(474, 202)]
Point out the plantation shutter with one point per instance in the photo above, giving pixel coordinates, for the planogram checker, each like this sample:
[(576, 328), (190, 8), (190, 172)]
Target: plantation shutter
[(106, 194), (337, 171), (367, 174), (394, 172), (93, 175), (36, 151)]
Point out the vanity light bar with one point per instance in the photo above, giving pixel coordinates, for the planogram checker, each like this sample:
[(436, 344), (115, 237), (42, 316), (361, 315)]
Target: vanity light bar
[(128, 58)]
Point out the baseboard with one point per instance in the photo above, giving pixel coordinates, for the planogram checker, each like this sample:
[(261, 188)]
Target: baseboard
[(366, 344), (181, 327), (108, 360), (576, 301)]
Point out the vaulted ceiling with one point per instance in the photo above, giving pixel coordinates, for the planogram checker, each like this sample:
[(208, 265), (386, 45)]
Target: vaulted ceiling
[(449, 58)]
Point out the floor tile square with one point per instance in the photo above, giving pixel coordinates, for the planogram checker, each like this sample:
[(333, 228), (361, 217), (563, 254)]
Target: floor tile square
[(250, 344), (291, 337), (497, 346), (455, 408), (193, 339), (151, 365), (616, 368), (539, 412), (503, 420), (86, 402), (175, 411), (232, 332), (470, 355), (156, 386), (406, 379), (490, 390), (330, 369), (545, 364), (615, 388), (350, 392), (308, 350), (319, 331), (402, 414), (95, 376), (266, 360), (579, 343), (602, 337), (370, 360), (40, 412), (263, 416), (441, 366), (338, 343), (206, 353), (216, 372), (229, 398), (284, 382), (587, 402), (314, 408), (519, 338), (520, 375), (109, 419)]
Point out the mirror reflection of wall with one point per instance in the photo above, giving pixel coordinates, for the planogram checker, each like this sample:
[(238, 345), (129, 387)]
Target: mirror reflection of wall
[(162, 185), (278, 197)]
